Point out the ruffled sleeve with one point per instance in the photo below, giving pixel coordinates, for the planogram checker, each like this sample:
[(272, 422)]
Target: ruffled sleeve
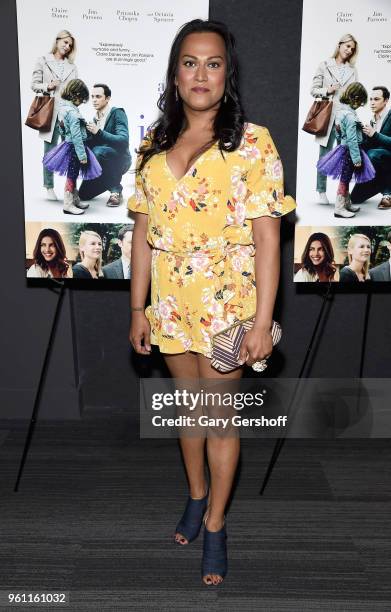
[(265, 179), (138, 201)]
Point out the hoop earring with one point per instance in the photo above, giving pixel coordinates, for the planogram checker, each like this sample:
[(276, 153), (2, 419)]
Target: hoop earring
[(176, 93), (225, 99)]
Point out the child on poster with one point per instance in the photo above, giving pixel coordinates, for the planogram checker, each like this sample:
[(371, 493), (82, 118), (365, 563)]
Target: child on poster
[(348, 159), (72, 157)]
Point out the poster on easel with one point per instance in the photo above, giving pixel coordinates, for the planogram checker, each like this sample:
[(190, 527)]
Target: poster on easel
[(343, 191), (91, 74)]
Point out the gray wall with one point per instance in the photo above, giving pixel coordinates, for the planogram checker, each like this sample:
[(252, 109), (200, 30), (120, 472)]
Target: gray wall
[(268, 35)]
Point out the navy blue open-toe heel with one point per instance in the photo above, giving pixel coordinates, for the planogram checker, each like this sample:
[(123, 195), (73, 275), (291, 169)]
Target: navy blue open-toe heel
[(214, 558), (190, 524)]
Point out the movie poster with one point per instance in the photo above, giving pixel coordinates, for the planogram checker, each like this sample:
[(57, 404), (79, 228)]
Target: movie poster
[(344, 156), (94, 71)]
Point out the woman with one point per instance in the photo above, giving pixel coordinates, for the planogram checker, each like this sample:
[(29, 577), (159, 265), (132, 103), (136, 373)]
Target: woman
[(208, 188), (317, 260), (359, 254), (51, 74), (49, 257), (331, 79), (90, 247)]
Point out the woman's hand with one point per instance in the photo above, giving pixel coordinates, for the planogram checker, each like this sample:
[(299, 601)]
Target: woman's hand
[(358, 165), (257, 344), (332, 89), (140, 333), (53, 84), (84, 161)]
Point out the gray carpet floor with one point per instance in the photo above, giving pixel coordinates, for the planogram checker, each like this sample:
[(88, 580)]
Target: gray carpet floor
[(97, 507)]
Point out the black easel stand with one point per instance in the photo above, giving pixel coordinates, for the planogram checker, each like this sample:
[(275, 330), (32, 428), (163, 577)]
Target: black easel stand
[(280, 441), (365, 333), (75, 352), (38, 394)]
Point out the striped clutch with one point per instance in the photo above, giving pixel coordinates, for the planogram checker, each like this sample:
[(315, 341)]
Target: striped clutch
[(226, 344)]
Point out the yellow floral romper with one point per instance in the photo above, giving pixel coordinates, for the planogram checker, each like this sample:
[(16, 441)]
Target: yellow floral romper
[(200, 231)]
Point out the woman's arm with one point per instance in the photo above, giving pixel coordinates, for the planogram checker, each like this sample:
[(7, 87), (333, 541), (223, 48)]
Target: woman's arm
[(257, 343), (141, 258), (318, 89), (37, 83)]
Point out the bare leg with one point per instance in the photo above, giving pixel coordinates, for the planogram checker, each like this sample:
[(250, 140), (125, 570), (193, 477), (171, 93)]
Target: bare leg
[(185, 366), (223, 455)]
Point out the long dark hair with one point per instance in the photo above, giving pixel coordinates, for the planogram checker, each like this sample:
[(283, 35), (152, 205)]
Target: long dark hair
[(59, 261), (327, 265), (229, 120)]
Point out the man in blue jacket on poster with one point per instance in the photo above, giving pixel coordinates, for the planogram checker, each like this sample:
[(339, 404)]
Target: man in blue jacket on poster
[(377, 143), (109, 140)]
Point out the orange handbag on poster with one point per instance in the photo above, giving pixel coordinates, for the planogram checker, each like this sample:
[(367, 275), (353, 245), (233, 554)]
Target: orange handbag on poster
[(41, 113), (318, 118)]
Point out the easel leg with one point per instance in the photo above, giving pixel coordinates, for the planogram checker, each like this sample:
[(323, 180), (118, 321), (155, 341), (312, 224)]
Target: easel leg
[(365, 332), (280, 441), (363, 347), (75, 353), (41, 381)]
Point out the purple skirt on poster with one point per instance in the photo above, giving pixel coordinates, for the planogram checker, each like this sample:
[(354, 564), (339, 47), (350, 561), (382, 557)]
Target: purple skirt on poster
[(59, 159), (335, 163)]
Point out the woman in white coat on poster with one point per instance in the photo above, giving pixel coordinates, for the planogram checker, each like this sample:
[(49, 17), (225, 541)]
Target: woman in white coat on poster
[(331, 79), (51, 74)]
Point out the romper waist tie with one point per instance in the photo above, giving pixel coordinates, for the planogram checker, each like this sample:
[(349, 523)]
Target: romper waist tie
[(214, 257)]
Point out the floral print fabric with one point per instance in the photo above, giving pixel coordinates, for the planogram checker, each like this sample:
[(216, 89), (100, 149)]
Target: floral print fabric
[(200, 231)]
